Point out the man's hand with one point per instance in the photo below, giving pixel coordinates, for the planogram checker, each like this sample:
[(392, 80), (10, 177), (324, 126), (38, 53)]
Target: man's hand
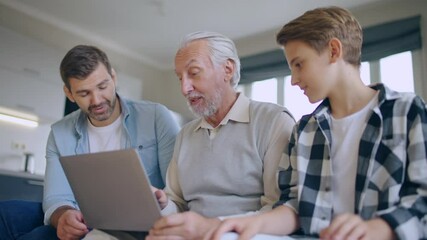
[(161, 196), (187, 225), (69, 223), (350, 226)]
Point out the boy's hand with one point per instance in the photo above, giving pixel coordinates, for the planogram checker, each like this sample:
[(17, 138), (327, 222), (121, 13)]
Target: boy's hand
[(351, 226), (161, 196)]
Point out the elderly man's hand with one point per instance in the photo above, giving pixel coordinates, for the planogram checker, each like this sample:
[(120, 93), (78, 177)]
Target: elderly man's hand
[(161, 196), (187, 225)]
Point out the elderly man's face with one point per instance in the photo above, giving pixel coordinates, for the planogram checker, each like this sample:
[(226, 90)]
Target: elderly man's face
[(202, 83)]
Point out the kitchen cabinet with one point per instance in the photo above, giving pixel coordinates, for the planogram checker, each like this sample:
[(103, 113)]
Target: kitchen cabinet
[(20, 185)]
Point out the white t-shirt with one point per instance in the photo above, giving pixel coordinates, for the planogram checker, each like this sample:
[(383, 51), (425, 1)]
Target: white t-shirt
[(106, 138), (346, 135)]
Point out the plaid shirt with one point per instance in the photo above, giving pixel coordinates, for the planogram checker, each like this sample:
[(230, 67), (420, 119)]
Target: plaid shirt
[(391, 179)]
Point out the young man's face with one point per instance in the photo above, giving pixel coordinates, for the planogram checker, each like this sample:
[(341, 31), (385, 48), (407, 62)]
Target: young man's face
[(202, 83), (310, 71), (95, 95)]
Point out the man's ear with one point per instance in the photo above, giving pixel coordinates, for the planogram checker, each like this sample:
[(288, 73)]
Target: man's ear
[(68, 94), (229, 69), (335, 49)]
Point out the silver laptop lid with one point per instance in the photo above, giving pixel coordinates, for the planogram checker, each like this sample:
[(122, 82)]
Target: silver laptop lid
[(112, 190)]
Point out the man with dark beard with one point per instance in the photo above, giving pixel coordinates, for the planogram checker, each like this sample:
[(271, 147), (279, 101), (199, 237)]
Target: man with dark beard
[(104, 122), (224, 163)]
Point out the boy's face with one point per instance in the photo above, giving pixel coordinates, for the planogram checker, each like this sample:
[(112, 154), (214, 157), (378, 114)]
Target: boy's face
[(310, 70)]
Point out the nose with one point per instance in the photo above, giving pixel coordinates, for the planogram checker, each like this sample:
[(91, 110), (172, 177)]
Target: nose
[(96, 99), (186, 86), (294, 80)]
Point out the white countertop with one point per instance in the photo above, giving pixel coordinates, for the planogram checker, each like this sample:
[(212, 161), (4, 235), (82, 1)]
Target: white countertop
[(21, 174)]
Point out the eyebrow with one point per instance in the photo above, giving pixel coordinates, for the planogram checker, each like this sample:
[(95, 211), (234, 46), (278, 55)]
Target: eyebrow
[(186, 65), (103, 82), (99, 84), (292, 61)]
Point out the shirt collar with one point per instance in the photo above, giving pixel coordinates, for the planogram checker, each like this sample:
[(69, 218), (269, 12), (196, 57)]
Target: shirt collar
[(239, 112), (384, 94)]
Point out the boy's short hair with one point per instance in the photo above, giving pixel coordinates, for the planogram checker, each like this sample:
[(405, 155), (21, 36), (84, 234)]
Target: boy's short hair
[(318, 26), (81, 61)]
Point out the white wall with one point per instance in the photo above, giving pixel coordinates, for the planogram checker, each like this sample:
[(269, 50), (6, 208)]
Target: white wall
[(384, 11), (30, 83), (30, 52), (381, 12), (398, 9)]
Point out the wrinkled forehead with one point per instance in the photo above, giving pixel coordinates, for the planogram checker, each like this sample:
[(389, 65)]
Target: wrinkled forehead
[(196, 52)]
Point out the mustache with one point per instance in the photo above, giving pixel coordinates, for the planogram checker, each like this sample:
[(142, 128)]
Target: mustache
[(194, 95), (91, 107)]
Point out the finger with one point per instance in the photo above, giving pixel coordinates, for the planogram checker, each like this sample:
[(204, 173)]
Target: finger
[(365, 237), (75, 219), (358, 232), (76, 233), (226, 226), (336, 224), (158, 195), (75, 227), (65, 233), (347, 227), (169, 221), (324, 233), (161, 198), (164, 238), (221, 231), (179, 230), (247, 234), (76, 223)]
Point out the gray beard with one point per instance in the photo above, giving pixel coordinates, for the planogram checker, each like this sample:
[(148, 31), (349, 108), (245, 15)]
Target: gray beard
[(211, 106)]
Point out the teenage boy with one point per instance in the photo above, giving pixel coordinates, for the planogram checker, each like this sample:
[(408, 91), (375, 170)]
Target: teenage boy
[(358, 165)]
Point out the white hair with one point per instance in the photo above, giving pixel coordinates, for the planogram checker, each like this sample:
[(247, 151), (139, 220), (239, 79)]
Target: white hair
[(221, 49)]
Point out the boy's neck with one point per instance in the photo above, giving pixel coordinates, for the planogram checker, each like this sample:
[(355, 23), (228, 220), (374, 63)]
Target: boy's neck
[(350, 97)]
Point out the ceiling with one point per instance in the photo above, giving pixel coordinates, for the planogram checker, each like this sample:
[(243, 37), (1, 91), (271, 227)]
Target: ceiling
[(150, 30)]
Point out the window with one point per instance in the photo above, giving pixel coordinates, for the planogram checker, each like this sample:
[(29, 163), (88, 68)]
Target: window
[(295, 100), (391, 52), (240, 88), (396, 71), (365, 73), (265, 91)]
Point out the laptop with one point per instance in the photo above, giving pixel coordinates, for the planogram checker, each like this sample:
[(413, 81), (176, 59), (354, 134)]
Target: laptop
[(112, 190)]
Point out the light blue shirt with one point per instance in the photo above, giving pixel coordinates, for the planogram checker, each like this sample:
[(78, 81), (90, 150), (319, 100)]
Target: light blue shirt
[(148, 127)]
